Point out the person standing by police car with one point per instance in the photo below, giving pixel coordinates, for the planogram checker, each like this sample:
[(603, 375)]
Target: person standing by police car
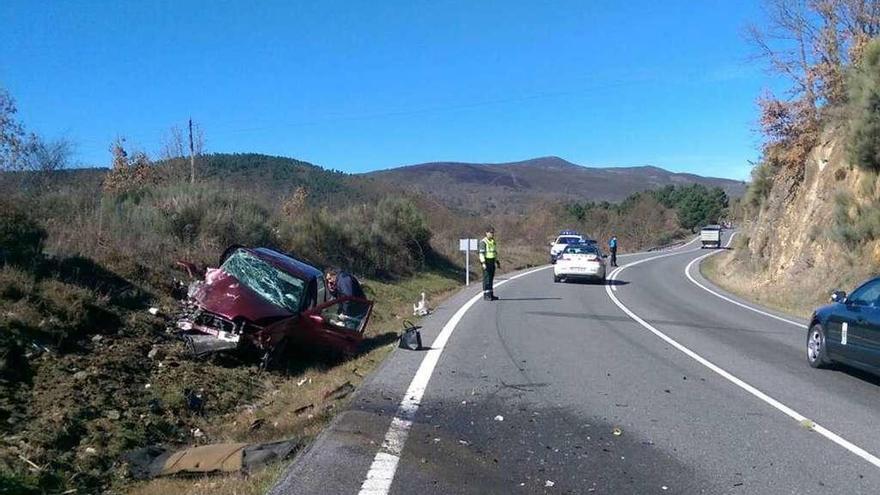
[(612, 245), (488, 250)]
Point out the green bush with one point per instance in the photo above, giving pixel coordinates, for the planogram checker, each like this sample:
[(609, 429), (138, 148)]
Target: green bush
[(21, 238), (761, 185), (389, 239), (864, 97), (854, 223), (161, 223)]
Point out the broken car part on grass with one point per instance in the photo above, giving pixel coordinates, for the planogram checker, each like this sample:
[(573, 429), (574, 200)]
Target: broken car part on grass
[(153, 462), (262, 299)]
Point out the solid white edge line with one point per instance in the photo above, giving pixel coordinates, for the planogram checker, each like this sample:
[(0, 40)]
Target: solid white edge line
[(687, 271), (384, 466), (837, 439)]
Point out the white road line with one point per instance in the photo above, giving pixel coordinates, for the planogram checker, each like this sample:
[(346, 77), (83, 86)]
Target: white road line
[(613, 275), (384, 467), (687, 271), (740, 383)]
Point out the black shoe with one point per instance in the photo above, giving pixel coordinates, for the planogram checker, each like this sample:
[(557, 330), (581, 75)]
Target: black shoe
[(492, 296)]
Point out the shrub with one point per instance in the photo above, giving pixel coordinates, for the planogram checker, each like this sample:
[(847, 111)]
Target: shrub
[(853, 223), (391, 238), (864, 95), (21, 238), (761, 185)]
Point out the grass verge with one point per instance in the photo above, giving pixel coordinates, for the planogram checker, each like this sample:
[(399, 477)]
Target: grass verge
[(724, 271)]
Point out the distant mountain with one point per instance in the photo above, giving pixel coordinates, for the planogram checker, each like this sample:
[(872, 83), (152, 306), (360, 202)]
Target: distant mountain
[(506, 187)]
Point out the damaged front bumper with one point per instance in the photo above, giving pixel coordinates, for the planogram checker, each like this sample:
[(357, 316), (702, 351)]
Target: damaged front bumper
[(205, 332)]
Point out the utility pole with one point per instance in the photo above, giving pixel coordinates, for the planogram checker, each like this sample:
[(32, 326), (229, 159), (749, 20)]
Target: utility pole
[(192, 155)]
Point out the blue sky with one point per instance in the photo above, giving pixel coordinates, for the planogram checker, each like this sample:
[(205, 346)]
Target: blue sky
[(359, 85)]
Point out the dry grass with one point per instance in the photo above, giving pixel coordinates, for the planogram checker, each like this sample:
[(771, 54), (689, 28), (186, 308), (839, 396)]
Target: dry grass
[(725, 272), (295, 405), (256, 483)]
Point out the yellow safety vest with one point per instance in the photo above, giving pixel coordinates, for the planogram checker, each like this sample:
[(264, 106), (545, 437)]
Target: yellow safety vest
[(488, 250)]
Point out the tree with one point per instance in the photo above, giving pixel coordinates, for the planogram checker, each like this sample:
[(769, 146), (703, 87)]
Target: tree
[(864, 129), (127, 173), (15, 143), (810, 42), (176, 146), (25, 151)]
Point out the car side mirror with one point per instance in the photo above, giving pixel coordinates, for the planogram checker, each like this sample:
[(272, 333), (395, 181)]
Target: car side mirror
[(551, 244), (838, 296)]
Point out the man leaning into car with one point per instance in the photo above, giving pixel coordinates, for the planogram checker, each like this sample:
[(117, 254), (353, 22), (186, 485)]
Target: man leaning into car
[(341, 284)]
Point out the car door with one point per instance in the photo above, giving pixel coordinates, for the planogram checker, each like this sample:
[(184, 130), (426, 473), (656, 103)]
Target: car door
[(339, 323), (857, 337), (869, 328)]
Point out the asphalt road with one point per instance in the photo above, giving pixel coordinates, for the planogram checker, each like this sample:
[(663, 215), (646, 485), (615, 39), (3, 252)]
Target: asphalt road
[(650, 384)]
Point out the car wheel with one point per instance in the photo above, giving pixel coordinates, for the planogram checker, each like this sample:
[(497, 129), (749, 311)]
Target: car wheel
[(817, 353), (555, 279)]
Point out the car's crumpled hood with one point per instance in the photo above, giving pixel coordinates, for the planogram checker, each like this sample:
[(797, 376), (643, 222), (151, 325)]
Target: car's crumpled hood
[(224, 295)]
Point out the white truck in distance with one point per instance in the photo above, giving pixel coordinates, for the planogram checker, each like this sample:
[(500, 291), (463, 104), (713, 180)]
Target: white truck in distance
[(710, 236)]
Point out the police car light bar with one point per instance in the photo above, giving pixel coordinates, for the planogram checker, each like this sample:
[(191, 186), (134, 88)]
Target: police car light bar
[(569, 232)]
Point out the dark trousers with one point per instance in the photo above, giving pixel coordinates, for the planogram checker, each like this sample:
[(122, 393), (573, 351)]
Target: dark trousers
[(614, 256), (489, 275)]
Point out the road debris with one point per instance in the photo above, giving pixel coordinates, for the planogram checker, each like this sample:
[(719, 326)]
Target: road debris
[(153, 311), (340, 392), (549, 484), (616, 432), (153, 462), (499, 418), (303, 409), (156, 353), (421, 308), (808, 424)]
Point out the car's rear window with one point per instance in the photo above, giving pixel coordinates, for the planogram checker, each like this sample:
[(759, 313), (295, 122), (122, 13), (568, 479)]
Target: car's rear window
[(568, 240), (581, 250)]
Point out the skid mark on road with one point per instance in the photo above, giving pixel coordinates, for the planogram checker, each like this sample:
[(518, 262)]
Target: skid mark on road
[(801, 419)]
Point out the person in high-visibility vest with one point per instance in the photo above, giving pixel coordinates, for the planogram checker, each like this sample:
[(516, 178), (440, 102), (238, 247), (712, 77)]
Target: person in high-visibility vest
[(488, 250)]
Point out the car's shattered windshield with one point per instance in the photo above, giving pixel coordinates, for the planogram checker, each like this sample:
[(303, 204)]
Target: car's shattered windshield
[(275, 286)]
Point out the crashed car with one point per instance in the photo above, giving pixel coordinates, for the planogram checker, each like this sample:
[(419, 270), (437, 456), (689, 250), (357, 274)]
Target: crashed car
[(264, 299)]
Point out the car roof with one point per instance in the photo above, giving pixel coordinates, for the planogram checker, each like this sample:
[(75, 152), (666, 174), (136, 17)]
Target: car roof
[(591, 245), (286, 263)]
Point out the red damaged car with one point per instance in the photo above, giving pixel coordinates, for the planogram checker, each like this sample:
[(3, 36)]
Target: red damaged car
[(265, 299)]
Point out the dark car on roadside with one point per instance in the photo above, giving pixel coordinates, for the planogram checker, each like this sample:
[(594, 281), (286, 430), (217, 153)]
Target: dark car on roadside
[(263, 299), (847, 330)]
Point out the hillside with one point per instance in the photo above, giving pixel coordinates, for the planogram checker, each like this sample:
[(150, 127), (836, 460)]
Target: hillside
[(805, 240), (513, 187)]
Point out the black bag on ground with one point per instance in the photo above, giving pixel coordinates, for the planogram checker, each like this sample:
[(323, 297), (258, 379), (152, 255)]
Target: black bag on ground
[(411, 338)]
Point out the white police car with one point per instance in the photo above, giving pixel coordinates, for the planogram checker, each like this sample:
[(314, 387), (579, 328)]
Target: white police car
[(565, 238), (580, 262)]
